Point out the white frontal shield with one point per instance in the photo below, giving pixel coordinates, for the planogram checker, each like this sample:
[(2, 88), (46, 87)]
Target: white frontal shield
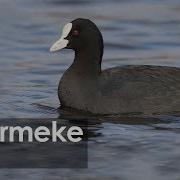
[(62, 42)]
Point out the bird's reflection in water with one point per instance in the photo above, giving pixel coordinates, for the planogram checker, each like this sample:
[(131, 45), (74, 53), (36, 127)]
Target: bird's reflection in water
[(96, 122)]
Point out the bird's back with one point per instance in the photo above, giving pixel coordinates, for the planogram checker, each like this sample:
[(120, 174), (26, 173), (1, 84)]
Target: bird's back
[(140, 88)]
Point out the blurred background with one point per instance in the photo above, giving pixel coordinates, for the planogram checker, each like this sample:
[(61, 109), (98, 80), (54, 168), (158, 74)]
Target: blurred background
[(134, 32)]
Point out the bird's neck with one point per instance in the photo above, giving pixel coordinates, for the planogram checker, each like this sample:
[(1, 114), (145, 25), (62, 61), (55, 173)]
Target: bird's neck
[(87, 62)]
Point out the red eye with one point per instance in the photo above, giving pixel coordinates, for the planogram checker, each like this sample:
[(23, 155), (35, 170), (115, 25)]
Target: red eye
[(75, 33)]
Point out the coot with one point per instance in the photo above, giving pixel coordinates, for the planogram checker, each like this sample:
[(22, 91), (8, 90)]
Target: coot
[(124, 89)]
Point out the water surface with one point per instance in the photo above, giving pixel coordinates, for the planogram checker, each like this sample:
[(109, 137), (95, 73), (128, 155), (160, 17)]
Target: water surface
[(135, 32)]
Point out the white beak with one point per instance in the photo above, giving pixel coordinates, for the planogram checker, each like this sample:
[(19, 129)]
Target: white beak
[(62, 42)]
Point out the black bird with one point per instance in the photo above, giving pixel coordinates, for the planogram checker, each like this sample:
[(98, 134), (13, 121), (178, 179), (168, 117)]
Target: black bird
[(124, 89)]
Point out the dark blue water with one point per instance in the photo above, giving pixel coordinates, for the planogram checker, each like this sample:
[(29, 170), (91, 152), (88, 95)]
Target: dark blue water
[(135, 32)]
